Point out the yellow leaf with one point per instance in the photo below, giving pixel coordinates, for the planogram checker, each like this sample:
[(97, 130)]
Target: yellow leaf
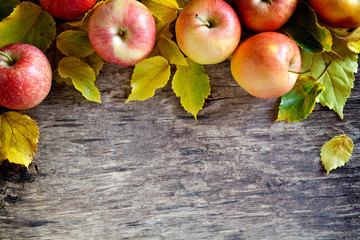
[(165, 10), (95, 61), (149, 75), (191, 84), (162, 29), (19, 135), (170, 50), (336, 152), (352, 38), (74, 43), (82, 76), (28, 23)]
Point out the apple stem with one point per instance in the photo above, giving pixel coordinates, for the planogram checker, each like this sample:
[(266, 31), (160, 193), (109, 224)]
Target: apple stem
[(296, 72), (122, 31), (8, 57), (202, 20), (270, 2)]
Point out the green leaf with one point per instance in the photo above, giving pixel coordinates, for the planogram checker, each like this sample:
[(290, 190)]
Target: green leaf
[(28, 23), (191, 84), (6, 7), (82, 76), (304, 29), (170, 50), (19, 135), (339, 78), (149, 75), (336, 152), (300, 101), (165, 10), (74, 43)]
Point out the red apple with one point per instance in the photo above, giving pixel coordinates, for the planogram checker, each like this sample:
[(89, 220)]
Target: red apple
[(263, 64), (25, 76), (338, 13), (67, 9), (122, 32), (265, 15), (208, 31)]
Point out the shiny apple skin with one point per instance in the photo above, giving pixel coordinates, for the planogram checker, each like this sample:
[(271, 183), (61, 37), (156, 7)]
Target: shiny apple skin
[(338, 13), (126, 48), (203, 44), (261, 16), (260, 64), (67, 9), (25, 83)]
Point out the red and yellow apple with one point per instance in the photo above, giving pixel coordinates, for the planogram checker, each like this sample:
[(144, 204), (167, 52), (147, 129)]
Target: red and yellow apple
[(208, 31), (265, 15), (266, 65), (122, 32), (67, 9), (338, 13), (25, 76)]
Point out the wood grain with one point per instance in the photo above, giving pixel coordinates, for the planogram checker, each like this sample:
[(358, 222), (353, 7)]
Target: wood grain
[(148, 170)]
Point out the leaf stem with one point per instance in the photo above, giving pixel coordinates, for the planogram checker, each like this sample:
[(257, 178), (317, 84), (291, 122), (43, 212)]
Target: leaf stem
[(325, 70), (296, 72), (339, 130), (202, 20), (8, 57), (342, 59)]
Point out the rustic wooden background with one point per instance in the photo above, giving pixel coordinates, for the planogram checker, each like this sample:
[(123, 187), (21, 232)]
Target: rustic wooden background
[(148, 170)]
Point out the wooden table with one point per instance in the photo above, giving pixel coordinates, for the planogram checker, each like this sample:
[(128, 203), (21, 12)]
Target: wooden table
[(148, 170)]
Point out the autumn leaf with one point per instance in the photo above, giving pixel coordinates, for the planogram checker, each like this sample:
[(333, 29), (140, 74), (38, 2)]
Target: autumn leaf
[(95, 61), (162, 30), (165, 10), (28, 23), (191, 84), (352, 38), (304, 29), (339, 78), (82, 76), (19, 135), (6, 7), (300, 101), (74, 43), (149, 75), (336, 152), (170, 50)]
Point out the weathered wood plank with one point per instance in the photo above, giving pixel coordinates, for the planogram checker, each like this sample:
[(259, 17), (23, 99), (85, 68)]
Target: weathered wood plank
[(148, 170)]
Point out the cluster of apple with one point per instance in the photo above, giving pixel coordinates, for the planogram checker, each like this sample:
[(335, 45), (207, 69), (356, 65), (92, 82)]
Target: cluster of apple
[(123, 32), (265, 65), (25, 72)]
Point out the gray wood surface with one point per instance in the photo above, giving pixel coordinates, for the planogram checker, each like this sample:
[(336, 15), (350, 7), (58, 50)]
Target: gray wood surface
[(148, 170)]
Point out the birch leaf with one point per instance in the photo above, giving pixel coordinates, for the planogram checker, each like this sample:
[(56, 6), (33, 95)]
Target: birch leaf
[(170, 50), (19, 135), (82, 75), (191, 84), (74, 43), (149, 75), (336, 152), (165, 10), (300, 101), (339, 78), (28, 23)]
